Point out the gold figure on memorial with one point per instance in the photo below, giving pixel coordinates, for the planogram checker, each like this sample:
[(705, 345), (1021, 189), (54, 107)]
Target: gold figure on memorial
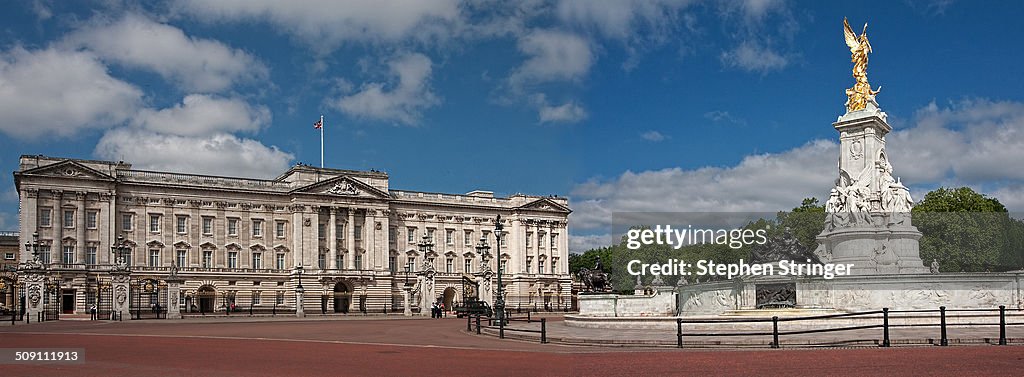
[(861, 93)]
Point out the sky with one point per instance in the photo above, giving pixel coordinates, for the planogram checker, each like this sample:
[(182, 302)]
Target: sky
[(631, 105)]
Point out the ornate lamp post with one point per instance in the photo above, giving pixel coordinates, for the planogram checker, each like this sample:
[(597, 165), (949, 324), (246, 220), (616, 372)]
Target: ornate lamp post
[(120, 249), (426, 245), (408, 270), (499, 302), (484, 251), (33, 246)]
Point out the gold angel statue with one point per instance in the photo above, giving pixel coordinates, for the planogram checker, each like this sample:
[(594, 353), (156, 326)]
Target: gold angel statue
[(861, 93)]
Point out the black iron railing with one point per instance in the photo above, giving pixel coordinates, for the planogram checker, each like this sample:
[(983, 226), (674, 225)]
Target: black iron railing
[(775, 333)]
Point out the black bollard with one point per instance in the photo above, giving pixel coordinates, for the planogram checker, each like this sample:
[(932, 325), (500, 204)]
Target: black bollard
[(942, 323), (885, 327)]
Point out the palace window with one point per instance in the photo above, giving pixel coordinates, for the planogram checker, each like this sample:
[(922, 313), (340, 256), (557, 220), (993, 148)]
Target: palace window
[(554, 241), (257, 261), (504, 239), (45, 215), (540, 240), (256, 297), (529, 264), (207, 258), (126, 222), (208, 226), (90, 255), (554, 265), (182, 224), (232, 259), (339, 230), (279, 262), (469, 238), (90, 219), (467, 266), (393, 264), (449, 265), (154, 223), (69, 255), (449, 237), (44, 254), (529, 237), (339, 261), (182, 258), (321, 261), (392, 234), (358, 230), (232, 227), (279, 229), (410, 235), (69, 219), (540, 266), (321, 231), (359, 260), (430, 235), (154, 257), (504, 266), (257, 228)]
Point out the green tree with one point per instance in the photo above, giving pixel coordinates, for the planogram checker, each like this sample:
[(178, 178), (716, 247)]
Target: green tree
[(805, 222), (967, 231)]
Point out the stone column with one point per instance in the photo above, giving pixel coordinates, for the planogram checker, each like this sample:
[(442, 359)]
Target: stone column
[(426, 282), (35, 286), (406, 293), (57, 224), (80, 226), (119, 280), (300, 293), (369, 238), (173, 293), (350, 242), (331, 238)]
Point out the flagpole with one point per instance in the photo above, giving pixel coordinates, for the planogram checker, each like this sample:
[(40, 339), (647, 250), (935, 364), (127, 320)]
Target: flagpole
[(321, 141)]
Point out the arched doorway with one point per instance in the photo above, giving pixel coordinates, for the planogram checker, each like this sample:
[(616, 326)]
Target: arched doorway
[(342, 298), (448, 298), (207, 296)]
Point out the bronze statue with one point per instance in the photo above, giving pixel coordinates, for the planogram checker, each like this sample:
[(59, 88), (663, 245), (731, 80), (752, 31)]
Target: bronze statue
[(861, 93)]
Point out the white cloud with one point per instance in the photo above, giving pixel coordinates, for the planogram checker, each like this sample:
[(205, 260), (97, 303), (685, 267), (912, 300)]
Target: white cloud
[(1012, 196), (200, 114), (753, 56), (581, 243), (570, 112), (724, 117), (759, 183), (327, 24), (970, 141), (57, 93), (554, 56), (973, 142), (194, 64), (219, 154), (622, 19), (401, 102), (654, 136)]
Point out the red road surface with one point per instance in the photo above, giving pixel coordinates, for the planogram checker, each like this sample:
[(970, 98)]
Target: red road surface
[(424, 347)]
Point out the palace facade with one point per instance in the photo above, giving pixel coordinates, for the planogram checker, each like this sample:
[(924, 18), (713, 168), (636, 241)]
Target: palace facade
[(345, 236)]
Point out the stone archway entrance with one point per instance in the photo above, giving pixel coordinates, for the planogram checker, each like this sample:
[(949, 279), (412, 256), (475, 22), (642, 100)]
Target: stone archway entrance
[(207, 296), (448, 298), (342, 298)]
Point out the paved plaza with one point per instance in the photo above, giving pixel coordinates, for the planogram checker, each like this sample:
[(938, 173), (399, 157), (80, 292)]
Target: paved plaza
[(401, 347)]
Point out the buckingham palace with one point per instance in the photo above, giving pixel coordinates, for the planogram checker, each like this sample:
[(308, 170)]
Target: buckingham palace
[(339, 241)]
